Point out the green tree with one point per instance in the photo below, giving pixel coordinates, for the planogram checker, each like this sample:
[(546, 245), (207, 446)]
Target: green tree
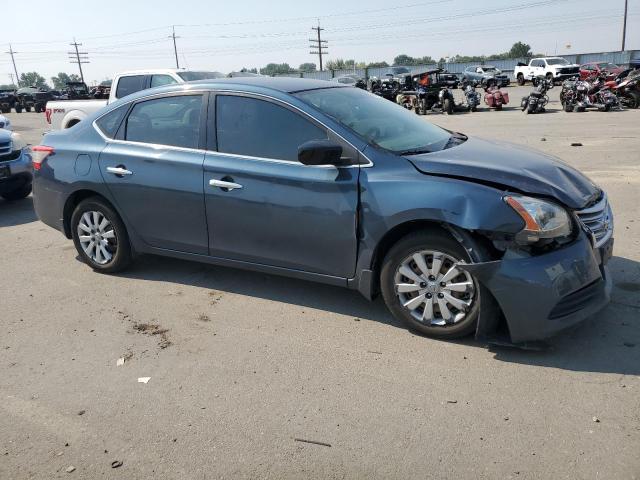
[(307, 67), (33, 79), (340, 64), (8, 87), (249, 70), (520, 50), (378, 64), (60, 81), (406, 60), (276, 69)]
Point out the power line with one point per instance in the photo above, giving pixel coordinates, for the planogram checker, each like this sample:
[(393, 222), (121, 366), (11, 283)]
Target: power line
[(80, 57), (13, 60), (318, 44)]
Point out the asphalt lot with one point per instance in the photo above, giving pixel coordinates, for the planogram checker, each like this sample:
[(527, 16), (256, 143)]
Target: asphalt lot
[(250, 362)]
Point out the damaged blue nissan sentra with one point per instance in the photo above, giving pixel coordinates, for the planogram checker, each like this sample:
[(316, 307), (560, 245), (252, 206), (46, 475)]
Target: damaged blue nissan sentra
[(322, 182)]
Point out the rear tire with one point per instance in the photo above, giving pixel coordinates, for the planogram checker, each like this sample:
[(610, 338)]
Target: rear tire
[(447, 106), (18, 109), (499, 107), (425, 313), (568, 107), (104, 245), (17, 194), (633, 99)]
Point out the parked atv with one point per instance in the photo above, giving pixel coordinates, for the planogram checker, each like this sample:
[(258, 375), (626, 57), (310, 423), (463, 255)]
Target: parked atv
[(432, 93), (495, 98), (537, 99), (7, 100)]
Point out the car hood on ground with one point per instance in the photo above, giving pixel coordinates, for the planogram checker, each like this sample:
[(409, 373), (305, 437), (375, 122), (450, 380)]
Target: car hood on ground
[(513, 167)]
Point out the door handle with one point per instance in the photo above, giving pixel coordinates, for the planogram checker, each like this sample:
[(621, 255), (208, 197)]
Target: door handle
[(226, 186), (120, 171)]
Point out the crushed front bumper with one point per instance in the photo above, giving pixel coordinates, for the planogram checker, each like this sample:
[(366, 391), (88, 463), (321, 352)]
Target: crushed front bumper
[(545, 294)]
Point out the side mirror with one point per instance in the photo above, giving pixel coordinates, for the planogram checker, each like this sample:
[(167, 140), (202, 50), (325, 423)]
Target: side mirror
[(320, 152)]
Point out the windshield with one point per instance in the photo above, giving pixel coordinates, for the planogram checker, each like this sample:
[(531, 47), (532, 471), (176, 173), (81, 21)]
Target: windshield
[(607, 66), (191, 76), (489, 69), (378, 121), (557, 61)]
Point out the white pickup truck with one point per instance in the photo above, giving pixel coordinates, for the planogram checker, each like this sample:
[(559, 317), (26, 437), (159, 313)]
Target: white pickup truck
[(552, 68), (63, 114)]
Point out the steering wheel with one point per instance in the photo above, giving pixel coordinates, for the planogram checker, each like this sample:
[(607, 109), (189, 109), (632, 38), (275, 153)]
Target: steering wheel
[(373, 133)]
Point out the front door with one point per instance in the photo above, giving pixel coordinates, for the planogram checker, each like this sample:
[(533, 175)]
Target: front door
[(265, 207), (154, 172)]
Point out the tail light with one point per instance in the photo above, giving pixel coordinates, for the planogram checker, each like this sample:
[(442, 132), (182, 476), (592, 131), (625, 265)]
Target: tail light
[(47, 115), (39, 154)]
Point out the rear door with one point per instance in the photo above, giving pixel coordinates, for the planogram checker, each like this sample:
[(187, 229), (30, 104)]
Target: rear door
[(265, 207), (154, 171)]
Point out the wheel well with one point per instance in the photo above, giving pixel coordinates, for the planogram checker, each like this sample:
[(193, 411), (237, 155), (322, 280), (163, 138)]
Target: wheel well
[(72, 202), (520, 74), (404, 229)]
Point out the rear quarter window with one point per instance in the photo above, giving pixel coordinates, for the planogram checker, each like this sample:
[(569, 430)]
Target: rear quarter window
[(109, 123)]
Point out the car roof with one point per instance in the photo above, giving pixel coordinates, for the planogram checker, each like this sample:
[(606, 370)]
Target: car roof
[(280, 84)]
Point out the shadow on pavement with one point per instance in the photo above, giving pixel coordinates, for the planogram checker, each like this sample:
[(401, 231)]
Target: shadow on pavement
[(17, 212), (607, 343)]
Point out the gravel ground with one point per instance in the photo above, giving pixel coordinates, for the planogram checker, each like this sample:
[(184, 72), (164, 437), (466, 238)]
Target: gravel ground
[(243, 364)]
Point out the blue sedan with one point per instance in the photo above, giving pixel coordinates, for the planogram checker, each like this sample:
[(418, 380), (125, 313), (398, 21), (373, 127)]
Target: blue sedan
[(322, 182)]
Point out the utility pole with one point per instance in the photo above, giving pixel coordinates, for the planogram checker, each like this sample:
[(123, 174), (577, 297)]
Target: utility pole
[(624, 24), (78, 58), (13, 60), (318, 46), (11, 77), (175, 48)]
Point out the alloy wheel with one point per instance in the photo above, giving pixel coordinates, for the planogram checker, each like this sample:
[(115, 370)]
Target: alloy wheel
[(433, 290), (97, 237)]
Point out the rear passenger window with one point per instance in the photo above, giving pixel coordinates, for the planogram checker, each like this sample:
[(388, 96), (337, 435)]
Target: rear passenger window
[(173, 121), (129, 85), (159, 80), (257, 128), (109, 123)]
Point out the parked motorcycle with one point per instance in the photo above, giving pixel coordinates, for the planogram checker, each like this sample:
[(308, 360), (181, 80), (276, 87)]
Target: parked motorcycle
[(494, 97), (472, 98), (626, 86), (593, 92), (538, 98)]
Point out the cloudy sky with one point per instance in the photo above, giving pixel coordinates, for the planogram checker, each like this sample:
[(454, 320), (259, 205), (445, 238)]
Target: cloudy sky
[(225, 36)]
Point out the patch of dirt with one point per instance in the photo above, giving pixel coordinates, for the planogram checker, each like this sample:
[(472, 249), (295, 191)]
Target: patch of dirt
[(154, 329), (215, 296), (203, 318)]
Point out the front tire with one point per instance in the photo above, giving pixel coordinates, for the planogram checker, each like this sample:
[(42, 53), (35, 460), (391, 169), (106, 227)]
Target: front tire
[(447, 106), (18, 193), (422, 287), (520, 79), (633, 99), (100, 236)]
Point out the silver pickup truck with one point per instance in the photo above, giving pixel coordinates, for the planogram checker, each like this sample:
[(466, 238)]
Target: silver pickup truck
[(63, 114)]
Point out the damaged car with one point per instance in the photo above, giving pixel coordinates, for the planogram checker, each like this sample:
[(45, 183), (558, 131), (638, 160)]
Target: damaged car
[(323, 182)]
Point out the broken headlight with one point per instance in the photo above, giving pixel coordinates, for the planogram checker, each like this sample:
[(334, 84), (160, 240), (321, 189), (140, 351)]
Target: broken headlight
[(542, 219)]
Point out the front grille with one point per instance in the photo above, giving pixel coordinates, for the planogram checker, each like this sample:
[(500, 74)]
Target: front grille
[(5, 148), (599, 220), (577, 300), (568, 70)]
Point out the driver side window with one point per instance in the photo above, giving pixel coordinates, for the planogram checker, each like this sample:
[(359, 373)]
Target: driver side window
[(259, 128)]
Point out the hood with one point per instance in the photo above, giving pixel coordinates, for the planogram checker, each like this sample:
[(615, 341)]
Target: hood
[(513, 167)]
